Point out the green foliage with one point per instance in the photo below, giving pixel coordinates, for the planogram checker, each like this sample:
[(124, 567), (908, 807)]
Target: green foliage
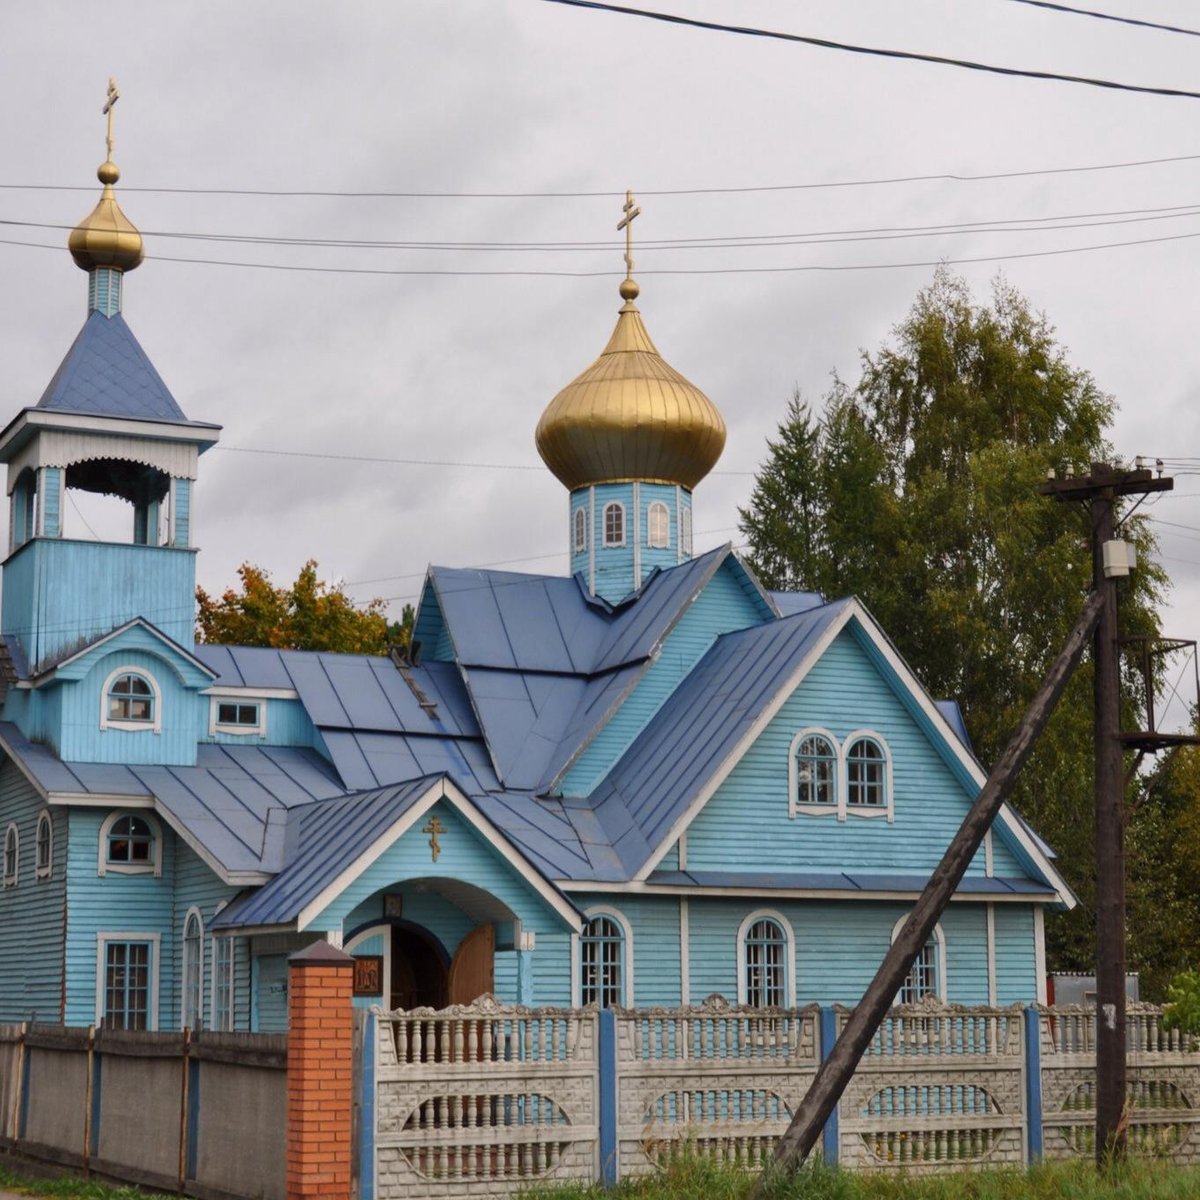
[(1183, 1013), (69, 1188), (308, 615), (917, 491), (698, 1179)]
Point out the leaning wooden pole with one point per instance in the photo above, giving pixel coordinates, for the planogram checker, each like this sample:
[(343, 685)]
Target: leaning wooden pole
[(822, 1097)]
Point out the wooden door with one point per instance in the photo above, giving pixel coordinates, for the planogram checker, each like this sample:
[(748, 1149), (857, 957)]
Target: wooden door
[(472, 971)]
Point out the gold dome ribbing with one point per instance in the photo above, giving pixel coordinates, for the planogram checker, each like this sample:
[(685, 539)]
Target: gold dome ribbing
[(630, 415), (106, 237)]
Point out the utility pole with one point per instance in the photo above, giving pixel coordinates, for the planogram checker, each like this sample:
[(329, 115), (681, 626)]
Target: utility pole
[(1111, 560)]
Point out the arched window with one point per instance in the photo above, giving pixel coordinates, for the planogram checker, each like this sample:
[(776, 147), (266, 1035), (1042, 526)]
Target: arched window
[(814, 771), (580, 539), (44, 847), (193, 969), (131, 699), (685, 532), (928, 975), (658, 525), (12, 856), (765, 946), (130, 845), (602, 962), (614, 524), (866, 775)]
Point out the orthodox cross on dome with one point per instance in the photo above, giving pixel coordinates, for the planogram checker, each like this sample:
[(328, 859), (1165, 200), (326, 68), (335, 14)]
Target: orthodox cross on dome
[(433, 827), (107, 110), (626, 223)]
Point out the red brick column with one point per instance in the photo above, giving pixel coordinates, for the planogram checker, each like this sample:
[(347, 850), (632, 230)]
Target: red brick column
[(319, 1072)]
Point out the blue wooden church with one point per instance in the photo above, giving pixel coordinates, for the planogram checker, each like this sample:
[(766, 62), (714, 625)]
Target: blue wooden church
[(638, 784)]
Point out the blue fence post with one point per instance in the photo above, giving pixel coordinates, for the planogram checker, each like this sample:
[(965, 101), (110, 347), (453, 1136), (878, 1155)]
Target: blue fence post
[(829, 1135), (607, 1053), (366, 1112), (1033, 1082), (193, 1117)]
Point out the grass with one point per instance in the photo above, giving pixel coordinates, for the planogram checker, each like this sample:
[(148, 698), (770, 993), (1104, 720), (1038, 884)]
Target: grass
[(69, 1187), (698, 1179)]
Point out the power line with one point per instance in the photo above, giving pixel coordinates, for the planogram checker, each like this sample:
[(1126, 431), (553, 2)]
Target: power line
[(906, 55), (1103, 16), (936, 177), (1087, 220), (599, 274)]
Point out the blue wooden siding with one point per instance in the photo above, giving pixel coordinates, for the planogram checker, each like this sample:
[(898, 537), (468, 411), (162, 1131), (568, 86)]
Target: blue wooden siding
[(463, 855), (551, 969), (58, 593), (182, 516), (270, 977), (183, 714), (139, 904), (50, 486), (721, 607), (580, 559), (839, 946), (662, 493), (287, 724), (746, 821), (431, 629), (444, 920), (504, 983), (1016, 966), (614, 564), (31, 913)]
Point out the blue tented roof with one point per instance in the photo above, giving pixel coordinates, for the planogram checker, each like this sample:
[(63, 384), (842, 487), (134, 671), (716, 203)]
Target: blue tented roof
[(106, 374)]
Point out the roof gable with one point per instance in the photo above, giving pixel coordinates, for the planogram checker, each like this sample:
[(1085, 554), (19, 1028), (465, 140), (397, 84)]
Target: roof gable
[(137, 634), (107, 373)]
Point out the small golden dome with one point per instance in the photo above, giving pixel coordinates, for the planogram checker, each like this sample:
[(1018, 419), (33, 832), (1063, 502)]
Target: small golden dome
[(630, 416), (106, 237)]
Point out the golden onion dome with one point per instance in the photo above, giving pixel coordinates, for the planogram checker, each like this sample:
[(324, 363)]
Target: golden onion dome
[(106, 237), (630, 416)]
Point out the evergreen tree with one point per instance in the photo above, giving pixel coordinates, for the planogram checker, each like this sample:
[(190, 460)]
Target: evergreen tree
[(917, 491)]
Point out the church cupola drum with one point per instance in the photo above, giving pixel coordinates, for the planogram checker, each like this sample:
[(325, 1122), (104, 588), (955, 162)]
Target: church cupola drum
[(630, 437)]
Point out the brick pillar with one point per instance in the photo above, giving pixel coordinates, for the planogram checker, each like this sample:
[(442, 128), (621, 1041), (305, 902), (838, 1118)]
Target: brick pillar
[(319, 1073)]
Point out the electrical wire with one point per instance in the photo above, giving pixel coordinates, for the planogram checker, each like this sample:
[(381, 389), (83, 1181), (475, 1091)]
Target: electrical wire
[(736, 189), (878, 52), (1103, 16)]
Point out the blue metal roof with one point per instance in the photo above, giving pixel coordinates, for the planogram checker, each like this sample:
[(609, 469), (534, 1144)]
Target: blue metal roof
[(954, 718), (321, 841), (710, 712), (791, 603), (106, 374), (825, 881)]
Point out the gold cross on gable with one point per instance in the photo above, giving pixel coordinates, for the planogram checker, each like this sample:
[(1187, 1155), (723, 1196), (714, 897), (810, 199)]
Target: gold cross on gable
[(113, 97), (433, 827), (626, 223)]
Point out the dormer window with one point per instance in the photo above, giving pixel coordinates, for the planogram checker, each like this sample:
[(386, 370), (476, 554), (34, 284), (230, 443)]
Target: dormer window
[(614, 524), (658, 526), (131, 700), (580, 522), (229, 715)]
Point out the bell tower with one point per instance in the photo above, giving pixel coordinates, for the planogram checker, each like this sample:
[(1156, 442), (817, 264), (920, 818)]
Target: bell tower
[(105, 424)]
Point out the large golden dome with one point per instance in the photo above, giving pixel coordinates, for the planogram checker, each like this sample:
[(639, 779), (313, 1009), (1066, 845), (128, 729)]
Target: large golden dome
[(106, 237), (630, 416)]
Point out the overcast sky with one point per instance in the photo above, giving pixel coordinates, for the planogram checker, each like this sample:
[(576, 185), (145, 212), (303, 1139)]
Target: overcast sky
[(523, 96)]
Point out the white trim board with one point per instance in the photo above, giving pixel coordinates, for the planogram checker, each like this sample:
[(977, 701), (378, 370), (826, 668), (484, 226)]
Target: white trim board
[(636, 887)]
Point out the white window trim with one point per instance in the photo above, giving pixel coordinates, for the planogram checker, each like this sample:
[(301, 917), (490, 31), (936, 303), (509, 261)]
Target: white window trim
[(615, 914), (817, 810), (666, 513), (215, 726), (887, 810), (153, 867), (943, 980), (46, 872), (214, 980), (13, 834), (789, 974), (579, 529), (194, 911), (107, 722), (604, 525), (155, 940)]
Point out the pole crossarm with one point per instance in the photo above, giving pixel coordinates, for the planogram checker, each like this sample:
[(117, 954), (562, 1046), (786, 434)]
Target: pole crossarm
[(835, 1072)]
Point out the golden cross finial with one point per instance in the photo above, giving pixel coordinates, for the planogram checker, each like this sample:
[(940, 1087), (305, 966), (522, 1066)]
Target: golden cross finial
[(433, 827), (626, 223), (113, 97)]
